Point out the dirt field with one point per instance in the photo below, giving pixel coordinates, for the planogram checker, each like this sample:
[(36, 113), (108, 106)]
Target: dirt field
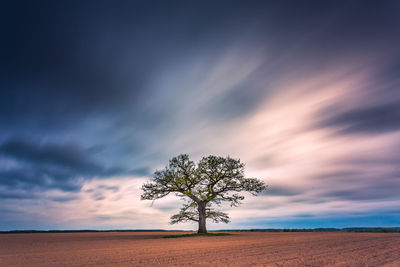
[(239, 249)]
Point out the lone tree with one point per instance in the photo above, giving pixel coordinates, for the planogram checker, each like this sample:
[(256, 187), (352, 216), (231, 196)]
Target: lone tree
[(213, 181)]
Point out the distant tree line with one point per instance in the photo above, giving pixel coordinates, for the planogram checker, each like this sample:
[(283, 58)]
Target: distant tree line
[(349, 229)]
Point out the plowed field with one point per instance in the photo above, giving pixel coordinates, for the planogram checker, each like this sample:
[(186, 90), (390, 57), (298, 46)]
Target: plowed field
[(238, 249)]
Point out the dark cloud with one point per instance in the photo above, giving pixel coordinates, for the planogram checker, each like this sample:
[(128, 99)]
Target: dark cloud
[(29, 178), (281, 190), (112, 188), (69, 156), (64, 198), (376, 119), (31, 194), (358, 182), (340, 174), (373, 192), (97, 196), (16, 195), (101, 191), (51, 166)]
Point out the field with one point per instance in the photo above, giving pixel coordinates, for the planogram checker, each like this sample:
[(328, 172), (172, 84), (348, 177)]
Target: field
[(238, 249)]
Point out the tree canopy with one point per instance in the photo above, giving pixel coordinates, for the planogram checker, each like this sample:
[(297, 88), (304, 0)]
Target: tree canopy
[(214, 180)]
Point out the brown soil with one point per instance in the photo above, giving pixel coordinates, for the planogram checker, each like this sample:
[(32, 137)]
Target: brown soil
[(238, 249)]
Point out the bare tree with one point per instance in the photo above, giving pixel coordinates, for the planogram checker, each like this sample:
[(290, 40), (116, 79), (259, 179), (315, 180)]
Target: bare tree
[(214, 180)]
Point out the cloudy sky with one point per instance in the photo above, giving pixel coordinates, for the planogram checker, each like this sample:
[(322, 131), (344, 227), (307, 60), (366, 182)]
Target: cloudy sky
[(95, 96)]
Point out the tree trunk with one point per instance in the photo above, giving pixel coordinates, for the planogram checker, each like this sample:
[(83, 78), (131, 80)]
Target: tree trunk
[(201, 207)]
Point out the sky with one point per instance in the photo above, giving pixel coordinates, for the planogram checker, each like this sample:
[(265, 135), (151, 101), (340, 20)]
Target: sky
[(97, 95)]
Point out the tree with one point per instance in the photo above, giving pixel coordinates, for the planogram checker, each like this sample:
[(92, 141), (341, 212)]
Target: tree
[(214, 180)]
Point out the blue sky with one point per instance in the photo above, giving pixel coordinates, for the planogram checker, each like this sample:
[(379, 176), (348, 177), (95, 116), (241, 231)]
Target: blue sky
[(97, 95)]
